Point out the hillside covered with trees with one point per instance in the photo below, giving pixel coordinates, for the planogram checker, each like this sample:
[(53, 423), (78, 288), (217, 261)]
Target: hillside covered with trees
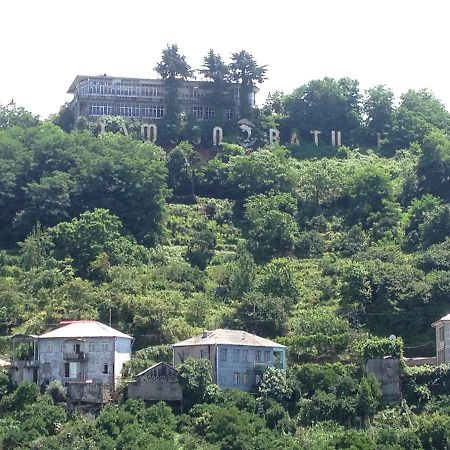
[(328, 250)]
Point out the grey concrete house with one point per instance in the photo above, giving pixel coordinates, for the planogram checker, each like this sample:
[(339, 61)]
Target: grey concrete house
[(76, 351), (156, 383), (237, 358), (144, 98), (442, 327)]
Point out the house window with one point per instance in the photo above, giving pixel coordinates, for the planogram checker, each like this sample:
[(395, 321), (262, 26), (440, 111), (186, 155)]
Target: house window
[(223, 354), (237, 378), (441, 334), (266, 356), (92, 346), (105, 346), (245, 378), (236, 355), (152, 111), (258, 356), (197, 112), (257, 379), (70, 370), (245, 355), (105, 369), (76, 348), (229, 114), (49, 348), (210, 113), (66, 370)]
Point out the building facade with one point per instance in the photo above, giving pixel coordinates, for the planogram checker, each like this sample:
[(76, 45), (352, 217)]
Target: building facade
[(237, 358), (442, 327), (145, 99), (78, 351)]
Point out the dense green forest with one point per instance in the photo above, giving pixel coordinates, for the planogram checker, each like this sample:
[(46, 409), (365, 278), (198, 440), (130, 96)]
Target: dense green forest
[(328, 250)]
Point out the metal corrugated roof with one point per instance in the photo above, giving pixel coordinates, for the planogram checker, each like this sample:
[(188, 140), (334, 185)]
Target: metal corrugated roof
[(228, 337), (84, 328)]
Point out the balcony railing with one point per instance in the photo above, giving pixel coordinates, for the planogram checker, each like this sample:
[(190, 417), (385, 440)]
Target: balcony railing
[(73, 356)]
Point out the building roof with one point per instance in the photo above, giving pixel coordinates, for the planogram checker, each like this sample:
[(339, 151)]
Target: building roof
[(442, 319), (84, 328), (228, 337), (156, 365)]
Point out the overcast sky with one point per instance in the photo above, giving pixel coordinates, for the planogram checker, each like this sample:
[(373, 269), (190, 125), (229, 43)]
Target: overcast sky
[(46, 43)]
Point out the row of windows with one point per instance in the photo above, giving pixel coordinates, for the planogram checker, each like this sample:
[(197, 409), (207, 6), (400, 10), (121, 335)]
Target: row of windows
[(243, 355), (122, 89), (76, 348), (145, 110)]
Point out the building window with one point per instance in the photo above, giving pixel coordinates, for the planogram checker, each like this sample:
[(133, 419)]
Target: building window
[(266, 356), (195, 93), (441, 334), (197, 112), (245, 355), (92, 346), (101, 109), (210, 113), (258, 356), (237, 378), (150, 90), (223, 354), (236, 355), (49, 348), (105, 369), (66, 370), (105, 346), (245, 378), (128, 109), (229, 114), (257, 379), (152, 111)]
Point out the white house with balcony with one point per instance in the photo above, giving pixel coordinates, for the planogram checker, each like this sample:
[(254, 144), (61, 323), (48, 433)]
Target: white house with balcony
[(76, 351), (237, 358), (442, 327)]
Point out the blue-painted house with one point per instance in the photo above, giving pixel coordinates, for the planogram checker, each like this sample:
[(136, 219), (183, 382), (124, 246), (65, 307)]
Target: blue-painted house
[(237, 358)]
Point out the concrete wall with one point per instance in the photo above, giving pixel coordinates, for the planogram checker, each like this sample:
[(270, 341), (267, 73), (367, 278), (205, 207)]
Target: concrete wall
[(150, 388), (387, 372), (122, 355)]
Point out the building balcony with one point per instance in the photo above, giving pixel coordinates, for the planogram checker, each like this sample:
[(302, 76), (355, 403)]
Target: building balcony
[(72, 356)]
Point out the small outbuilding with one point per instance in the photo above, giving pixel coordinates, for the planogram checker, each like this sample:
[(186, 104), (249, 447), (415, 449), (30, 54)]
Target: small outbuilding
[(442, 327), (156, 383)]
